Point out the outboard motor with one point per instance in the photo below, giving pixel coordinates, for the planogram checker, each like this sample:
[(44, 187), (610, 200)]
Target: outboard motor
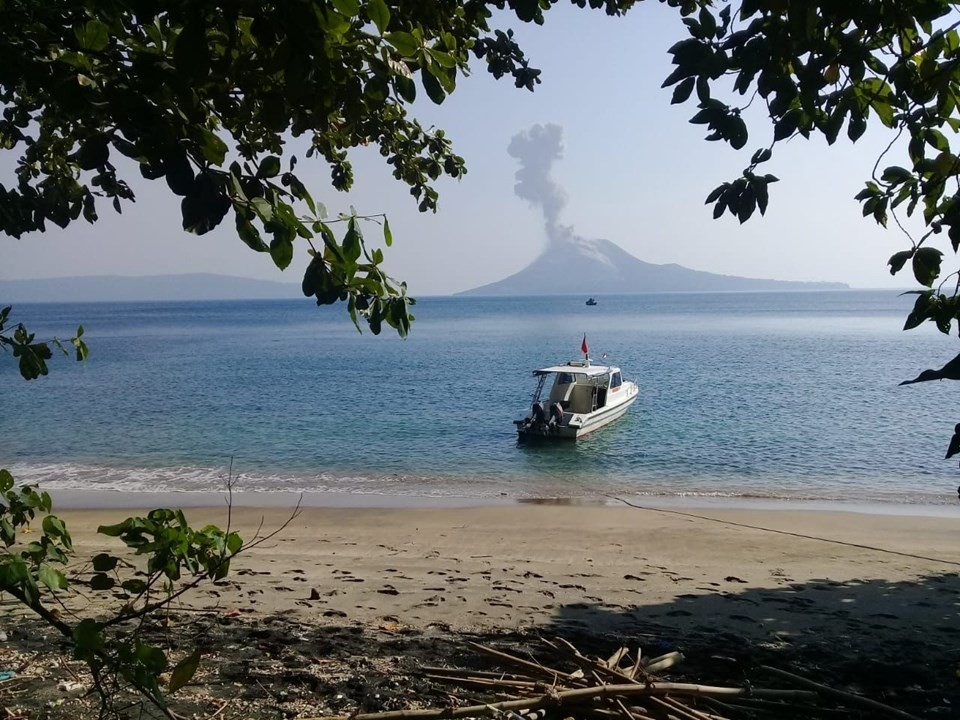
[(537, 413), (556, 414)]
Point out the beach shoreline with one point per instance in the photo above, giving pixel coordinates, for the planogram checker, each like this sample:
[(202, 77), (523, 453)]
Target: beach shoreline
[(517, 564), (87, 499)]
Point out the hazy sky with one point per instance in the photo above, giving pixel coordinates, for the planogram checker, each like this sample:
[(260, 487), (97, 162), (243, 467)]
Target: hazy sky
[(634, 171)]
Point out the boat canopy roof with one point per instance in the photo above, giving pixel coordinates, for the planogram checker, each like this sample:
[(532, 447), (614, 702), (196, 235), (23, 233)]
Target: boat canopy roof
[(589, 370)]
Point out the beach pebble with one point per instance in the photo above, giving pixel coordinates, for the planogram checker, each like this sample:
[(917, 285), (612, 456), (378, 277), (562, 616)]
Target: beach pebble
[(70, 686)]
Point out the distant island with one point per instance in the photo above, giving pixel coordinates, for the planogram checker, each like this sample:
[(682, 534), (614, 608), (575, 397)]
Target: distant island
[(114, 288), (574, 265)]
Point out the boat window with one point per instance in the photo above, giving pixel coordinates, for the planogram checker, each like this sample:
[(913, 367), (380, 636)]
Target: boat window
[(615, 381), (564, 378)]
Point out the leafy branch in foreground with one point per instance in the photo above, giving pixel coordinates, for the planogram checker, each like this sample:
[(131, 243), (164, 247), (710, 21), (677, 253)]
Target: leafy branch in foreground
[(32, 356), (177, 557), (818, 67), (206, 96)]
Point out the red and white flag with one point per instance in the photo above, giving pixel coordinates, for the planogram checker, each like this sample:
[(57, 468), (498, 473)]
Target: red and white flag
[(583, 346)]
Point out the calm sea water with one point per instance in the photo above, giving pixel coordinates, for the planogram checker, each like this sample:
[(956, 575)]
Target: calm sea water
[(765, 395)]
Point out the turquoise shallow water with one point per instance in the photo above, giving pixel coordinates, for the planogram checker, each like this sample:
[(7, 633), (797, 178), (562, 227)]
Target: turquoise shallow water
[(760, 395)]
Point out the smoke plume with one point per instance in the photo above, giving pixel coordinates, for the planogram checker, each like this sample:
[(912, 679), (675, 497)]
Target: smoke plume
[(536, 149)]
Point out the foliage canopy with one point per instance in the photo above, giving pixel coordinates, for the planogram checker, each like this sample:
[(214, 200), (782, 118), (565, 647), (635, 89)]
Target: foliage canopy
[(203, 95)]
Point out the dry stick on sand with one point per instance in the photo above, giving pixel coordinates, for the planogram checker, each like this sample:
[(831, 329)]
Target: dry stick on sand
[(849, 697), (547, 672), (561, 645)]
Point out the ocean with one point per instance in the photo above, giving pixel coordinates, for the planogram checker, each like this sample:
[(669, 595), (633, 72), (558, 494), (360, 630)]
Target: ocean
[(772, 396)]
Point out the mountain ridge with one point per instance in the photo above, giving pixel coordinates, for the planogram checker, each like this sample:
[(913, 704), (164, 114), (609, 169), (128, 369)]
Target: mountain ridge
[(577, 266)]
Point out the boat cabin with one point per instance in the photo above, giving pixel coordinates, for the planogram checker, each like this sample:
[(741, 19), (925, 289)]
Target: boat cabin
[(577, 387)]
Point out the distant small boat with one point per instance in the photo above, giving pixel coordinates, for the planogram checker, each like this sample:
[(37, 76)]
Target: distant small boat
[(591, 301)]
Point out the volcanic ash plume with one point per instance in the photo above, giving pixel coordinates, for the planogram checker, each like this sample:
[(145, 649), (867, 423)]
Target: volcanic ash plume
[(536, 149)]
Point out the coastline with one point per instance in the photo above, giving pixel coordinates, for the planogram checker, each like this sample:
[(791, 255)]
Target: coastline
[(72, 499)]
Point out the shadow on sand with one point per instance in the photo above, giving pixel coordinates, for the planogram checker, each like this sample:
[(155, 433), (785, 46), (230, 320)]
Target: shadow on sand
[(896, 642)]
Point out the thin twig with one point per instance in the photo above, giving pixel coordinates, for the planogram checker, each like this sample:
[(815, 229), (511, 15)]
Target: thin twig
[(534, 667)]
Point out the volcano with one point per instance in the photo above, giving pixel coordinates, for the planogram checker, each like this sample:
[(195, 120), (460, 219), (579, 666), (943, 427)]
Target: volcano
[(577, 266)]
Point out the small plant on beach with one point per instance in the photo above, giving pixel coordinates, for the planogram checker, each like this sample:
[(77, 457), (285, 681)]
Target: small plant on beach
[(165, 559)]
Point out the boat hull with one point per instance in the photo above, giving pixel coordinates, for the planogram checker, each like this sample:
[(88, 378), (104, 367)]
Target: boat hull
[(583, 424)]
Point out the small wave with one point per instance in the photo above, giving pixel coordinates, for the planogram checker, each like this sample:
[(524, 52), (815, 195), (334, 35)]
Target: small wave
[(190, 478)]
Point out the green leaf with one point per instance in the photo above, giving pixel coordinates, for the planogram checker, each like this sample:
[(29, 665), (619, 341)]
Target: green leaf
[(250, 235), (347, 8), (442, 59), (406, 88), (152, 658), (114, 530), (921, 310), (214, 149), (6, 480), (281, 250), (387, 235), (205, 206), (178, 171), (856, 127), (682, 91), (379, 14), (94, 36), (896, 175), (707, 22), (926, 265), (405, 43), (87, 635), (434, 90), (787, 125), (269, 167), (737, 132), (263, 208), (898, 260), (184, 671), (52, 578), (759, 186), (954, 234), (54, 526)]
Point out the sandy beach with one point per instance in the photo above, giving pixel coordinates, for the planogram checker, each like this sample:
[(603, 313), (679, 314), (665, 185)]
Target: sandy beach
[(819, 589)]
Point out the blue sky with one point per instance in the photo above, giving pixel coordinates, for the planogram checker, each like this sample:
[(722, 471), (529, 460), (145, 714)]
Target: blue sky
[(634, 170)]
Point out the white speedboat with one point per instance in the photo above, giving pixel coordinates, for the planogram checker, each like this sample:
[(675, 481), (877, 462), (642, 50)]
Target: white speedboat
[(575, 399)]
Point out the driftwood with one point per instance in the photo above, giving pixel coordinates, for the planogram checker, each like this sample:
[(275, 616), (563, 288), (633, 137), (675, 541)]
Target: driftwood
[(620, 687)]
